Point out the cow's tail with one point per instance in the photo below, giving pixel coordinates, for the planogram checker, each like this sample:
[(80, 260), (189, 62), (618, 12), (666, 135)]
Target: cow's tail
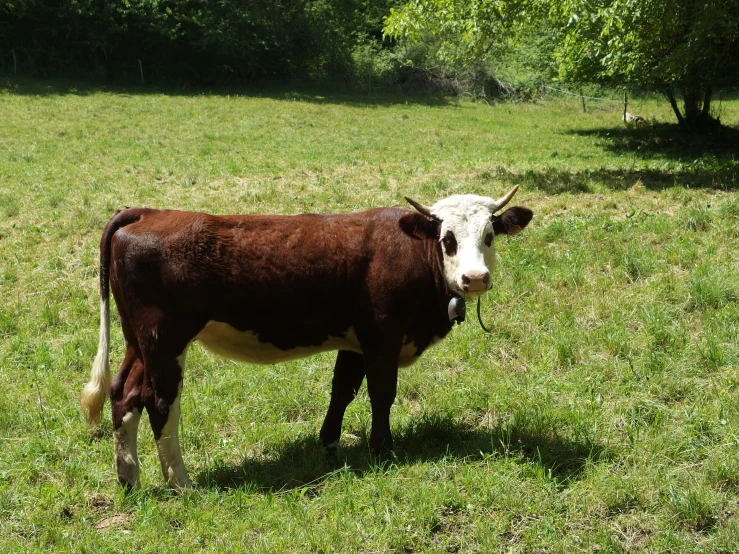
[(97, 389)]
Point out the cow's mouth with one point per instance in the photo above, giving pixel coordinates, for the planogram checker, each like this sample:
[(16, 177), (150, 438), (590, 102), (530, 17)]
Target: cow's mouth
[(470, 295)]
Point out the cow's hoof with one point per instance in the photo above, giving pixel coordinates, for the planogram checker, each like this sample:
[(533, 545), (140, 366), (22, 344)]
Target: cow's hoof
[(180, 489), (331, 448), (182, 484), (125, 485), (383, 449)]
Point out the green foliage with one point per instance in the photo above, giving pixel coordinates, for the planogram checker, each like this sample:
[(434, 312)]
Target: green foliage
[(465, 30), (488, 48), (528, 62), (194, 40), (373, 65), (650, 43), (691, 46)]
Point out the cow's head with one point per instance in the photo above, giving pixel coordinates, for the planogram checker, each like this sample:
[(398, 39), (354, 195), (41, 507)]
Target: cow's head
[(466, 225)]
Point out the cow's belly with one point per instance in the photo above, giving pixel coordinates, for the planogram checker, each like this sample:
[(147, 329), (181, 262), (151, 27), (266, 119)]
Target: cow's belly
[(225, 340), (409, 354), (229, 342)]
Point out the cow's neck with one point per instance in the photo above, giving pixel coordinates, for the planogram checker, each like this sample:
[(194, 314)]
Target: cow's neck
[(448, 299)]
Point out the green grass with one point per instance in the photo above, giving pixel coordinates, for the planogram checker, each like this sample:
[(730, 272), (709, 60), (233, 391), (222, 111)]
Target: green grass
[(601, 414)]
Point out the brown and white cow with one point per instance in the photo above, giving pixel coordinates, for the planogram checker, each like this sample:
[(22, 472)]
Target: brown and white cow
[(377, 286)]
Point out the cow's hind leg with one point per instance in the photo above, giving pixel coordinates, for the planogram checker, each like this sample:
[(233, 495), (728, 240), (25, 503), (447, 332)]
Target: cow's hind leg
[(164, 416), (126, 405), (348, 376)]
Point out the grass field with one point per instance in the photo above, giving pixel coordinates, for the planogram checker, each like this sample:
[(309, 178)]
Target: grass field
[(601, 415)]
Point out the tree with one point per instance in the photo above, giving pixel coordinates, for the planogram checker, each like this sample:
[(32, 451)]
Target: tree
[(205, 41), (671, 46), (465, 31), (480, 40), (678, 47)]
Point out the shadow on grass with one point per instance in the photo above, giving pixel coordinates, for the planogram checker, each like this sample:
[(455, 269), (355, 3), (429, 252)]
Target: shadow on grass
[(707, 161), (276, 91), (559, 181), (666, 141), (303, 462)]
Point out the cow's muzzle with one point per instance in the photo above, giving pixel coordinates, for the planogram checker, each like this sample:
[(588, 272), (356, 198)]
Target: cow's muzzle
[(475, 281)]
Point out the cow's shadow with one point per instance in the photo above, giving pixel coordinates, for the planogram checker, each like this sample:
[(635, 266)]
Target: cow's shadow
[(302, 462)]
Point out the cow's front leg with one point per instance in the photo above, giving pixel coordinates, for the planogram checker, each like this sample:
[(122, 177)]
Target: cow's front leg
[(382, 386), (348, 376)]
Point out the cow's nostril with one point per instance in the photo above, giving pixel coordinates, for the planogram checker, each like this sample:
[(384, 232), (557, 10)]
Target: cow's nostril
[(486, 278), (466, 280)]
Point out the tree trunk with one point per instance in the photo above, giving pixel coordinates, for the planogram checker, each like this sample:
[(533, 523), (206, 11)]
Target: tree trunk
[(706, 112), (696, 114), (691, 105), (670, 93)]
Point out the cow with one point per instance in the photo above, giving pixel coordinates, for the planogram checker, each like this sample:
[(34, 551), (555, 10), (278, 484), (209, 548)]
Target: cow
[(379, 286)]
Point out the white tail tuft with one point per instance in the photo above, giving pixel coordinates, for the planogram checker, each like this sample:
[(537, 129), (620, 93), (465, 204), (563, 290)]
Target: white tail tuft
[(96, 391)]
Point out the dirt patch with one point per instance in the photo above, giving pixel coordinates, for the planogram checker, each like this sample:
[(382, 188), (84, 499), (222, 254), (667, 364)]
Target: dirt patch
[(114, 522)]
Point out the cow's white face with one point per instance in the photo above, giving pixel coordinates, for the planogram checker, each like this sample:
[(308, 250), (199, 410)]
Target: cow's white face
[(467, 242), (466, 226)]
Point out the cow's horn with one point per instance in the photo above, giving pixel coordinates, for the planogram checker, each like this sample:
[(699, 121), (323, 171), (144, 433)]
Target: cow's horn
[(503, 200), (420, 207)]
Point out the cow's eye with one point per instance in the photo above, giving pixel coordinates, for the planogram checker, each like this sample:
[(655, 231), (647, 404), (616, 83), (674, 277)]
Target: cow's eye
[(488, 239), (450, 244)]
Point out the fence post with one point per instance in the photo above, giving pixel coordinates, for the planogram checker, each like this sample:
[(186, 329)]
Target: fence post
[(141, 70), (583, 101), (15, 62), (625, 100)]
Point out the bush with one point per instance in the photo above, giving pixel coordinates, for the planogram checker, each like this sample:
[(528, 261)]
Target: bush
[(513, 71), (197, 41), (373, 66)]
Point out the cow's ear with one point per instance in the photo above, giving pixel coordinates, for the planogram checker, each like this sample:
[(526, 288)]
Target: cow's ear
[(419, 226), (512, 221)]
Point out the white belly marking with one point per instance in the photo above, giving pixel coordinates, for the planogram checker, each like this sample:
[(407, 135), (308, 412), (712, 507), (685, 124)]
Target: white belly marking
[(229, 342), (409, 353)]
